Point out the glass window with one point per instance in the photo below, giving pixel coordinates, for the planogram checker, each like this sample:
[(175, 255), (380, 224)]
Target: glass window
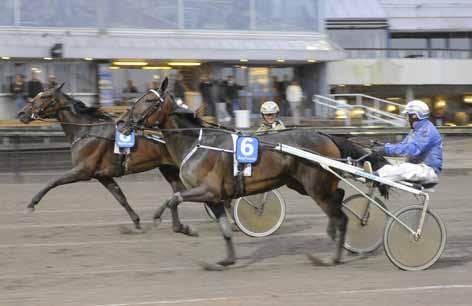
[(459, 43), (6, 12), (162, 14), (6, 78), (359, 38), (438, 43), (58, 13), (63, 74), (222, 14), (281, 15), (409, 43), (85, 78)]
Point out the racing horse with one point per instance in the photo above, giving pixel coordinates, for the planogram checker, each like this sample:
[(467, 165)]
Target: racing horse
[(91, 134), (208, 173)]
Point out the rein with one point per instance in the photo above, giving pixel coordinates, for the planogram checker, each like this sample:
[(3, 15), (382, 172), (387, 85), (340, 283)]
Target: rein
[(78, 124)]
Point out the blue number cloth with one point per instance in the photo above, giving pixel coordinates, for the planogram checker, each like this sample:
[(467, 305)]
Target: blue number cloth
[(124, 141), (247, 150)]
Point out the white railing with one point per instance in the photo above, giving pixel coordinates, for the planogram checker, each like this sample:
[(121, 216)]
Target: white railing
[(368, 109)]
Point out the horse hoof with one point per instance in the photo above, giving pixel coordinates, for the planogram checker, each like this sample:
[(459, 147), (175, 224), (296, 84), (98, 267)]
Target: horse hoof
[(226, 262), (157, 221), (212, 267), (316, 261)]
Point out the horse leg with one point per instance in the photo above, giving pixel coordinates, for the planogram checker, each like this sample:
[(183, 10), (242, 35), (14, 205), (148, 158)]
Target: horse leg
[(111, 185), (340, 221), (69, 177), (227, 231), (330, 198), (171, 174), (202, 194)]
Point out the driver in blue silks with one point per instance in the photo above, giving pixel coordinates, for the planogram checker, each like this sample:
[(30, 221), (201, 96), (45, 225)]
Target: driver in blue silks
[(423, 148)]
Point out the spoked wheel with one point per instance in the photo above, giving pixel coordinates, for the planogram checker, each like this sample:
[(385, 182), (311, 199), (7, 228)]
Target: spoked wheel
[(410, 253), (366, 225), (259, 215)]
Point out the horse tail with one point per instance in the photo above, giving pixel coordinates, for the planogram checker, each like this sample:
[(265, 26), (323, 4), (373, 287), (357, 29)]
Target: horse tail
[(355, 151)]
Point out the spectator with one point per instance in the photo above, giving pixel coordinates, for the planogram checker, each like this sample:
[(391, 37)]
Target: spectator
[(18, 91), (294, 98), (34, 86), (179, 88), (130, 88), (232, 95), (52, 82), (206, 90)]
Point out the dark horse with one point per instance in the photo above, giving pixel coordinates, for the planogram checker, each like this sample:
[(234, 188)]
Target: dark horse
[(91, 134), (208, 174)]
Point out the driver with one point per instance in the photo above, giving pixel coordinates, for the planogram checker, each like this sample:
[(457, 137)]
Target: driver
[(423, 148), (269, 112)]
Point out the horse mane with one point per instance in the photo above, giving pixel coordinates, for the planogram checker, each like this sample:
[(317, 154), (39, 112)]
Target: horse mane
[(79, 107), (195, 118)]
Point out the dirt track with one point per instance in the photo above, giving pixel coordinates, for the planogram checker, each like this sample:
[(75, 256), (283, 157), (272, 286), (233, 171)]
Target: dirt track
[(77, 249)]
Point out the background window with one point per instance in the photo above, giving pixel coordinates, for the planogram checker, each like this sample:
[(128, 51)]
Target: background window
[(281, 15), (222, 14), (162, 14), (6, 12)]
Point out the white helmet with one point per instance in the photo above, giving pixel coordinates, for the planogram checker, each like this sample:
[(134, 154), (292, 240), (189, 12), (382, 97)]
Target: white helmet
[(269, 107), (417, 107)]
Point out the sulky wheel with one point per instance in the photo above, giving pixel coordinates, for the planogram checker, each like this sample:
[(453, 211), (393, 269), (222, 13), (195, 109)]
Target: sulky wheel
[(410, 253), (366, 225), (261, 214)]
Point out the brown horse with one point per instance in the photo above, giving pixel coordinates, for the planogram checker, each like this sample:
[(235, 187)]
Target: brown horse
[(208, 174), (91, 134)]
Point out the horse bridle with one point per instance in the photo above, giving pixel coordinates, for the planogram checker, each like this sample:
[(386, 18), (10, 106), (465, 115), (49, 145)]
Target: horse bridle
[(148, 112), (45, 111)]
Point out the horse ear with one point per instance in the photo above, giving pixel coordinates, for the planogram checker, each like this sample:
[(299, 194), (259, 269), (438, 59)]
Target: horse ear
[(60, 86), (164, 85)]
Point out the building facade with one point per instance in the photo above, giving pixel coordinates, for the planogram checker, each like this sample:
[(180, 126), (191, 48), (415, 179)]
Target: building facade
[(404, 49), (97, 46)]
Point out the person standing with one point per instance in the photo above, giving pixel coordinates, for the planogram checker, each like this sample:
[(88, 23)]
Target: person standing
[(206, 90), (232, 95), (18, 91), (34, 86), (179, 88), (52, 82), (294, 98), (130, 87)]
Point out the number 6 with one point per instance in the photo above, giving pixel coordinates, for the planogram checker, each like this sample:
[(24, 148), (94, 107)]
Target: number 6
[(247, 148)]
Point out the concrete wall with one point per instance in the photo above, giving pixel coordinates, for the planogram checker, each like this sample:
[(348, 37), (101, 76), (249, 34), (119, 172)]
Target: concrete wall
[(400, 72)]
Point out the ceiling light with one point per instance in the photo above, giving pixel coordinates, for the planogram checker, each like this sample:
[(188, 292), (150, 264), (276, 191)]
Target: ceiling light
[(342, 85), (48, 58), (311, 61), (88, 58), (125, 63), (468, 99), (156, 68), (243, 60), (243, 67), (367, 84), (5, 57), (114, 67), (184, 64), (280, 60)]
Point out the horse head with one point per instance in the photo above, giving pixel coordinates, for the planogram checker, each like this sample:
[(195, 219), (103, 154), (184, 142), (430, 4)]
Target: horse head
[(44, 105), (152, 109)]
